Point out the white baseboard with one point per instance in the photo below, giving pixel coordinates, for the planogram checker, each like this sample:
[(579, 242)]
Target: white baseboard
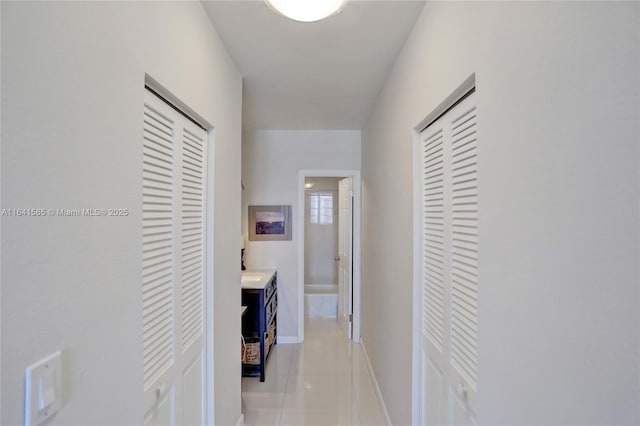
[(240, 421), (287, 340), (376, 387)]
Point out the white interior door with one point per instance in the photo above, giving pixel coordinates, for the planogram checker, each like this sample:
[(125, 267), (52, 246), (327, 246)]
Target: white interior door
[(449, 282), (345, 249), (174, 176), (321, 237)]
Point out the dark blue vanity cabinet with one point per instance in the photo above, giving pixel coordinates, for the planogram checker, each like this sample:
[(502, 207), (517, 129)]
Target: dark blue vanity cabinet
[(260, 322)]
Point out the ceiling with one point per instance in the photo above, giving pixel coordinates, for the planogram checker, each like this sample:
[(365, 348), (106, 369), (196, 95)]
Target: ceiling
[(321, 75)]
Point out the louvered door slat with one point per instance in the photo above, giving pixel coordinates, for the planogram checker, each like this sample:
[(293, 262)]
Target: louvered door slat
[(155, 338), (192, 250), (156, 238), (468, 267), (464, 254), (191, 238), (154, 272), (433, 237), (157, 244)]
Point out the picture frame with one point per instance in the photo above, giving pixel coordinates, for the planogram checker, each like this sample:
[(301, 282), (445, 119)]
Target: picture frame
[(270, 223)]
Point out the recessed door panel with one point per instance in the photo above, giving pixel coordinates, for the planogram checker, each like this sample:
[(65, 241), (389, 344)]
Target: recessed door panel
[(432, 394), (193, 412)]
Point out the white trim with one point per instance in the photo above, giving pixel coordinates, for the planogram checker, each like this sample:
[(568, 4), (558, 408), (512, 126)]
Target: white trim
[(209, 283), (376, 387), (417, 280), (286, 340), (416, 398), (466, 86), (240, 421), (357, 221), (175, 101)]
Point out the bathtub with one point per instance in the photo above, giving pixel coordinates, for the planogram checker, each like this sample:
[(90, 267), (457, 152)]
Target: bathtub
[(321, 300)]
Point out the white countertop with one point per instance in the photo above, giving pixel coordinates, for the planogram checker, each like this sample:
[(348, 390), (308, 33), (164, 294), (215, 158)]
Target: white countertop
[(261, 278)]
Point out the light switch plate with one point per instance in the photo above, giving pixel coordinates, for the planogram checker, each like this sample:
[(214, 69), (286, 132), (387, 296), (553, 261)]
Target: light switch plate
[(42, 390)]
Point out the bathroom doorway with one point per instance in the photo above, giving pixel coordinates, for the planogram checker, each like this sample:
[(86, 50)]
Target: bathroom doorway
[(321, 236), (328, 239)]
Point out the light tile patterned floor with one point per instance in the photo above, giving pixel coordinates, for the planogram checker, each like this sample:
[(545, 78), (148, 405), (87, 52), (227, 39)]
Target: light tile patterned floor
[(322, 382)]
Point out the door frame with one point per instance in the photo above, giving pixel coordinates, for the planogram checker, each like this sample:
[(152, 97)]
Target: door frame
[(416, 333), (356, 226), (208, 272), (209, 353)]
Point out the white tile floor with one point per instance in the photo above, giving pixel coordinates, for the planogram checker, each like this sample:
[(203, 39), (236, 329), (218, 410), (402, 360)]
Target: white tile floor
[(322, 382)]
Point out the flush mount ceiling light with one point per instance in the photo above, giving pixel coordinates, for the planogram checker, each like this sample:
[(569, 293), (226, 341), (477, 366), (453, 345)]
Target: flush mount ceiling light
[(306, 10)]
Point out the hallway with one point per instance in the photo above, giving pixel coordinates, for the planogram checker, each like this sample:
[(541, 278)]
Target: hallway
[(512, 251), (322, 382)]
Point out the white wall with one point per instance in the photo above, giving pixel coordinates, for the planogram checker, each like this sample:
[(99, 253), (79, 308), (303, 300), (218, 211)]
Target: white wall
[(321, 239), (271, 161), (558, 106), (72, 92)]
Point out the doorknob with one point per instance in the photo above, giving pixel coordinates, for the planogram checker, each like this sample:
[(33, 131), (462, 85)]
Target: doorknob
[(461, 391), (337, 258), (162, 390)]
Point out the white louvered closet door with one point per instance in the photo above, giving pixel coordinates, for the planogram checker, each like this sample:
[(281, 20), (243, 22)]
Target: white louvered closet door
[(434, 273), (464, 261), (174, 176), (449, 196)]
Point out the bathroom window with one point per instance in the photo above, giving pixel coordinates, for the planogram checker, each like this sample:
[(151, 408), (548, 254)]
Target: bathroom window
[(321, 209)]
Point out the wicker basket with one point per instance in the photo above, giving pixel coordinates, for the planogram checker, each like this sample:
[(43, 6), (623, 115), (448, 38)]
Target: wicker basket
[(267, 345), (252, 354)]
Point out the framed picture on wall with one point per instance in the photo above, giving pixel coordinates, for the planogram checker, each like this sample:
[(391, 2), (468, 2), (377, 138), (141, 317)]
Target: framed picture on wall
[(269, 223)]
